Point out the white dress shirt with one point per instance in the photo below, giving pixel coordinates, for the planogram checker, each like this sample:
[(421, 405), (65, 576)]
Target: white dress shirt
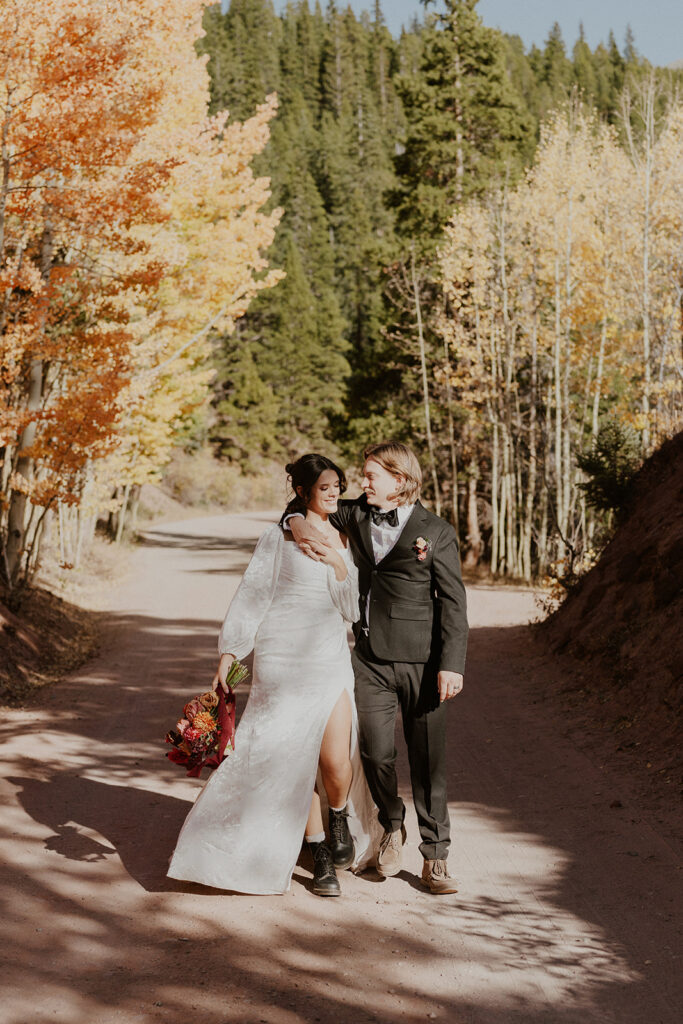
[(384, 537)]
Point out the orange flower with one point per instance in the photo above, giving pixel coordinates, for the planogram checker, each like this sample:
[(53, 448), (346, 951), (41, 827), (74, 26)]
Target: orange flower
[(209, 699), (204, 722)]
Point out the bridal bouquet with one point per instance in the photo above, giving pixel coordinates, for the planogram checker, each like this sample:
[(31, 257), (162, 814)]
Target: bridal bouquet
[(206, 732)]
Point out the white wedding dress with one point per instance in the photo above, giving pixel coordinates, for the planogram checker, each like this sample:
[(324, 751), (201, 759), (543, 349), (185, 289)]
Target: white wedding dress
[(246, 828)]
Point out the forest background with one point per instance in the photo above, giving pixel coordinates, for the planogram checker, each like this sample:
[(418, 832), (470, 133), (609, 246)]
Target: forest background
[(425, 299), (474, 248)]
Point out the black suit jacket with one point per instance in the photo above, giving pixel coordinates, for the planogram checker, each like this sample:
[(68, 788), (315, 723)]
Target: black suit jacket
[(418, 610)]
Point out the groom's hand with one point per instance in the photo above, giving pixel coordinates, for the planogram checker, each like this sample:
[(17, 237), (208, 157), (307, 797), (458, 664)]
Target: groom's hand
[(311, 541), (450, 684)]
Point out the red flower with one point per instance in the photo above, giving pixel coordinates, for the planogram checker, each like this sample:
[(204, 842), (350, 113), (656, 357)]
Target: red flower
[(206, 732)]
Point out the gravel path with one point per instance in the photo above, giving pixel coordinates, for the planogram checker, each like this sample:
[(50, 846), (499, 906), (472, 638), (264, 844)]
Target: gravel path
[(568, 894)]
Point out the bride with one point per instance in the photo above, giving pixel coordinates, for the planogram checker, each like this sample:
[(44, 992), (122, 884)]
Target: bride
[(244, 832)]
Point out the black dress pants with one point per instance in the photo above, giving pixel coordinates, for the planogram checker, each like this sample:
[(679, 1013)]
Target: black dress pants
[(381, 686)]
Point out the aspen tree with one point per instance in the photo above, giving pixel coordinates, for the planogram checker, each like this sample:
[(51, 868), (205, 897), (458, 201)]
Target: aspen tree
[(641, 129), (107, 249)]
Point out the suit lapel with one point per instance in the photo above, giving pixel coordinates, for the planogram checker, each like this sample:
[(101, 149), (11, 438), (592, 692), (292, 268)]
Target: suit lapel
[(363, 527)]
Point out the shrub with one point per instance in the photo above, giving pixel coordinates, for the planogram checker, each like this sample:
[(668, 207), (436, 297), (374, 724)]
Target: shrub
[(610, 466), (198, 479)]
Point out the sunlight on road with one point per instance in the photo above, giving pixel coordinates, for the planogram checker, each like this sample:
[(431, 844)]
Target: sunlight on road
[(94, 808), (501, 606)]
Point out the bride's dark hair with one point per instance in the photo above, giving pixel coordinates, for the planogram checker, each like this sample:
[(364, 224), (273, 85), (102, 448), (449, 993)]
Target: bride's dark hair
[(303, 474)]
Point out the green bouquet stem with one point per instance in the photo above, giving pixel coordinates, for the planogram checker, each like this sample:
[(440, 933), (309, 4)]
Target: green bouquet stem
[(237, 674)]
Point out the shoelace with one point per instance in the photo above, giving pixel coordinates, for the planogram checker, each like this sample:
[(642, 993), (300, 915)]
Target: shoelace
[(323, 857), (338, 826), (390, 839)]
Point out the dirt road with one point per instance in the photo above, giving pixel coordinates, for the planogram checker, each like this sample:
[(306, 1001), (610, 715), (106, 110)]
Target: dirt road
[(567, 902)]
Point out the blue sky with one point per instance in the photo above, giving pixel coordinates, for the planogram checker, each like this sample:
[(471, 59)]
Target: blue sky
[(657, 24)]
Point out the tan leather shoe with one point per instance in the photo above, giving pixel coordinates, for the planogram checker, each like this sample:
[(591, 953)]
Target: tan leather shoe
[(390, 852), (435, 877)]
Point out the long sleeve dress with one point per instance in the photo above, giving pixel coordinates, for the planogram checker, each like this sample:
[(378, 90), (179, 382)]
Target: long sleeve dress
[(244, 832)]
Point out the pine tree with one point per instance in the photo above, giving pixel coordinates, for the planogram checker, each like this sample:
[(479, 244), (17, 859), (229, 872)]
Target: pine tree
[(381, 48), (245, 417), (243, 49), (584, 69), (465, 123), (606, 95), (303, 34), (284, 331), (618, 64), (301, 355), (630, 52), (557, 70), (524, 83)]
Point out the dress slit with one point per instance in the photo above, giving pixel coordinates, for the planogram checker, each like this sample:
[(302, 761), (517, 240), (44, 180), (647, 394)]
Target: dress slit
[(285, 611)]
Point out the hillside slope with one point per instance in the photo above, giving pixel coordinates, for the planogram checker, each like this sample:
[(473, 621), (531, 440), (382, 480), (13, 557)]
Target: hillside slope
[(623, 622)]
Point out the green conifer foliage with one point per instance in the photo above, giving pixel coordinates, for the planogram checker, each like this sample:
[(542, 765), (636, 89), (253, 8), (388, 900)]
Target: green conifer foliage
[(246, 412), (606, 95), (243, 47), (376, 141), (301, 354), (465, 124), (303, 34), (557, 69), (296, 335), (524, 82), (584, 68)]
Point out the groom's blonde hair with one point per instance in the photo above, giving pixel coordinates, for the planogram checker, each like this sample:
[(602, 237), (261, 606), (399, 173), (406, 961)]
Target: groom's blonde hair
[(398, 460)]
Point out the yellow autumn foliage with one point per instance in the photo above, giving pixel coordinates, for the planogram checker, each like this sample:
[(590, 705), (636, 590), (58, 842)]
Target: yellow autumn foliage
[(563, 307)]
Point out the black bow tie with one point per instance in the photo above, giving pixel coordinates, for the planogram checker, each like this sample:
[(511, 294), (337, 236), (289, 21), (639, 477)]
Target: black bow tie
[(379, 517)]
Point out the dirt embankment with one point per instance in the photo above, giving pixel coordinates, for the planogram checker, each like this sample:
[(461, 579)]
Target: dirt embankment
[(46, 639), (622, 625)]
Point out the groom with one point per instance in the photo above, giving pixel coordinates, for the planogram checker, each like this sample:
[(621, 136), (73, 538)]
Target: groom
[(410, 646)]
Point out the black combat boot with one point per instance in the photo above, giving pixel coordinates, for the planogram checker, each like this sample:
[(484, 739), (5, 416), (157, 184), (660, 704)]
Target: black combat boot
[(341, 843), (325, 881)]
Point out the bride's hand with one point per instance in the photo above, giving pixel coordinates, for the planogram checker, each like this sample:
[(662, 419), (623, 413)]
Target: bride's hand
[(311, 541), (224, 666), (331, 556)]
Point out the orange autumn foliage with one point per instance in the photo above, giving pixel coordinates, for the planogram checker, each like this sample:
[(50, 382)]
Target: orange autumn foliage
[(106, 154)]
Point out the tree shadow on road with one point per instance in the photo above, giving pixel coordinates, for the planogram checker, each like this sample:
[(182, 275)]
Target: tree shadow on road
[(549, 942), (194, 542), (191, 956), (70, 806)]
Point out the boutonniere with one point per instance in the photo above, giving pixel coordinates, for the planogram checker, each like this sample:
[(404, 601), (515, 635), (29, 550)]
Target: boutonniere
[(421, 546)]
